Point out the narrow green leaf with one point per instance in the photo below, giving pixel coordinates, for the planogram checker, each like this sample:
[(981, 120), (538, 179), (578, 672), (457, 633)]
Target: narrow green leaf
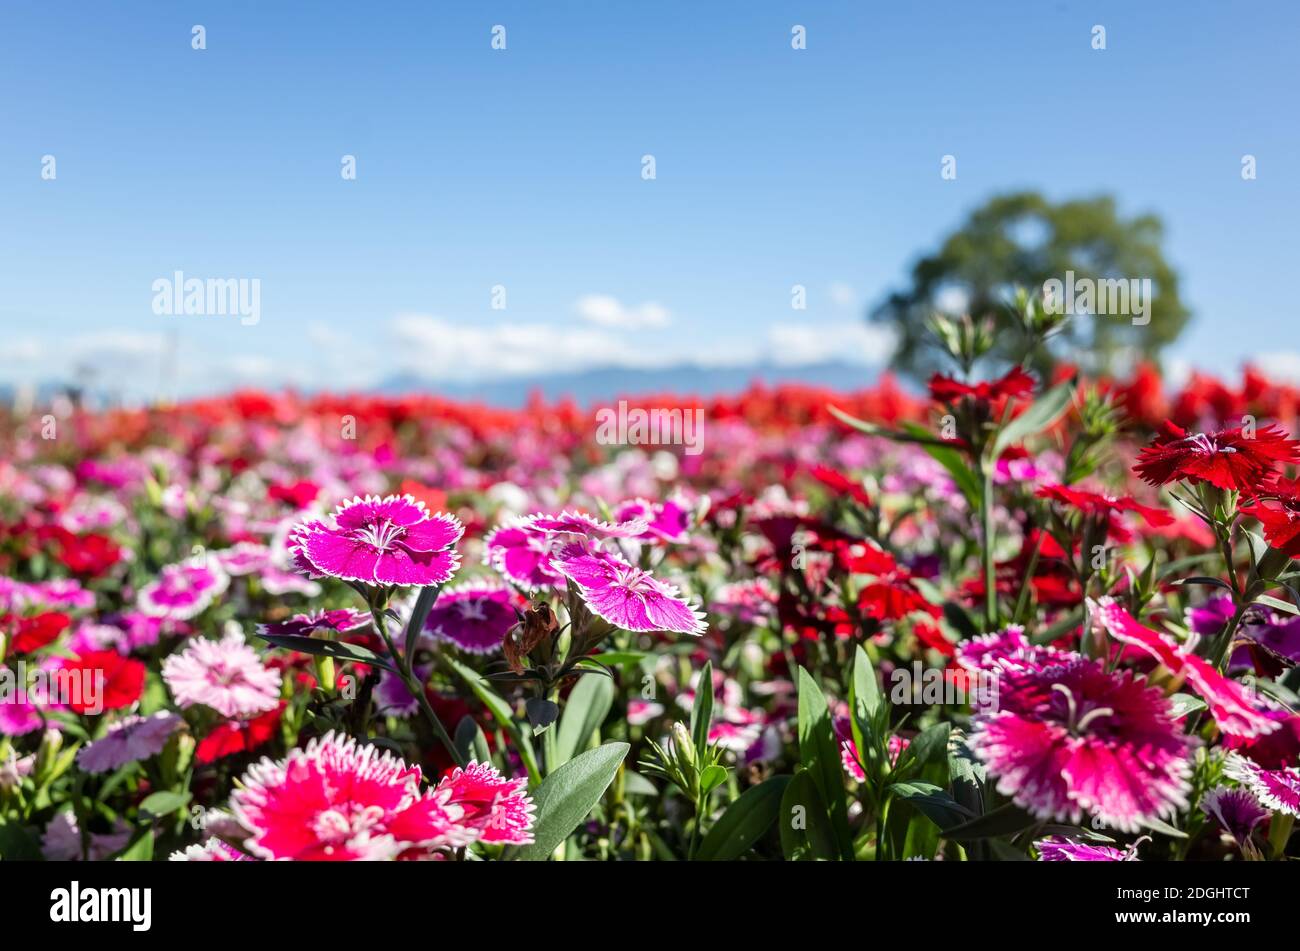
[(340, 650), (702, 709), (806, 833), (744, 822), (1038, 417), (820, 756)]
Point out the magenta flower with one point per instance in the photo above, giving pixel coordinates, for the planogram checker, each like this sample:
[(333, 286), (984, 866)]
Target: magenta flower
[(1074, 738), (475, 617), (226, 675), (1057, 848), (1008, 649), (128, 741), (381, 541), (497, 809), (338, 801), (243, 559), (1235, 711), (624, 595), (184, 590), (522, 550), (522, 555), (666, 521), (338, 621), (1276, 789)]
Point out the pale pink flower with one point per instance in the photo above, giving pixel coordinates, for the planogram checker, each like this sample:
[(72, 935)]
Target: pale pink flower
[(226, 675)]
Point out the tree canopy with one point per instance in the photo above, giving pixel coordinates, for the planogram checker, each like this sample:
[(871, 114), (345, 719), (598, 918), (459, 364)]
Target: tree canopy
[(1024, 240)]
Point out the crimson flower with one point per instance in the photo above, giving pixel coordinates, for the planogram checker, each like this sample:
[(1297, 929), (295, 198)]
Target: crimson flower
[(1015, 383), (1094, 503), (1278, 510), (122, 684), (28, 634), (1229, 458)]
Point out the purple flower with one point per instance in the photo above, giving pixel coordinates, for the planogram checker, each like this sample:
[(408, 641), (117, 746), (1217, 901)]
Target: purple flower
[(1234, 809), (381, 541), (475, 617), (339, 621), (128, 741), (667, 521)]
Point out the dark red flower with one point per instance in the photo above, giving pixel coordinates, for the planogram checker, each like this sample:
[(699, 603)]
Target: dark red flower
[(123, 681), (27, 634), (1015, 383), (1229, 458)]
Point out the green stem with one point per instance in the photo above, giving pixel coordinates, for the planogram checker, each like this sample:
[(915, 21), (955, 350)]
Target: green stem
[(990, 573), (416, 689)]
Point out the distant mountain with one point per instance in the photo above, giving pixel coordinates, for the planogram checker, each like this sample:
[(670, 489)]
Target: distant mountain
[(590, 386)]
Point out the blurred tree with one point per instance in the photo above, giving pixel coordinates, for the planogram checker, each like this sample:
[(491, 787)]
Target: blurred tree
[(1024, 240)]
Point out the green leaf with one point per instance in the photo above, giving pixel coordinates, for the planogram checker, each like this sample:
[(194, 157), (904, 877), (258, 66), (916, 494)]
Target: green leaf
[(952, 459), (1185, 703), (1038, 417), (1277, 604), (634, 784), (1005, 820), (702, 709), (820, 755), (568, 795), (501, 712), (711, 778), (806, 832), (745, 822), (18, 843), (471, 742), (864, 703), (1202, 580), (139, 850), (585, 710), (340, 650), (932, 802), (164, 803), (929, 746), (620, 658), (419, 614)]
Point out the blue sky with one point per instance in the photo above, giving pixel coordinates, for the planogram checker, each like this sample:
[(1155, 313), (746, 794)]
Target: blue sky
[(479, 167)]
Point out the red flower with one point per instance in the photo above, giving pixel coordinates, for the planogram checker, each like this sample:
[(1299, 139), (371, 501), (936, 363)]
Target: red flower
[(91, 554), (1278, 510), (123, 681), (1094, 503), (837, 481), (1015, 383), (298, 494), (27, 634), (239, 736), (1229, 459)]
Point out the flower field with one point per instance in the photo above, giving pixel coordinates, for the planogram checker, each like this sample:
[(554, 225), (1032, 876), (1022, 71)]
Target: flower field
[(1007, 618)]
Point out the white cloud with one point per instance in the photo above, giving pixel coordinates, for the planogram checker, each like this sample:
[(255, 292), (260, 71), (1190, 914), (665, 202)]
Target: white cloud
[(1282, 366), (440, 349), (843, 296), (606, 311), (858, 342)]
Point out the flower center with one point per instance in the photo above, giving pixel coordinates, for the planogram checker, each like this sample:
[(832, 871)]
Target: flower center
[(379, 535), (1206, 445), (1075, 723), (344, 822)]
